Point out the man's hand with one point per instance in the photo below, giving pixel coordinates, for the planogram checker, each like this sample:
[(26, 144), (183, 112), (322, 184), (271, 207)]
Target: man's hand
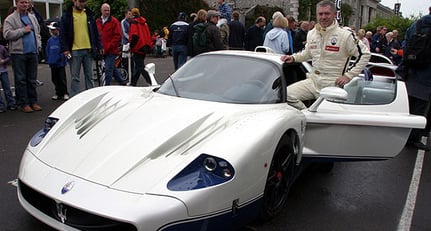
[(287, 59), (341, 81), (27, 29)]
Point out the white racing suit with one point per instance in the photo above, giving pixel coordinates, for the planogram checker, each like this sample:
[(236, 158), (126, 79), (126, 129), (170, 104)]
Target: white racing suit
[(330, 51)]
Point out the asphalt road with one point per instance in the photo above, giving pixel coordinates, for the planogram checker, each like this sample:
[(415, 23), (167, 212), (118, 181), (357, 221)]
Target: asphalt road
[(355, 196)]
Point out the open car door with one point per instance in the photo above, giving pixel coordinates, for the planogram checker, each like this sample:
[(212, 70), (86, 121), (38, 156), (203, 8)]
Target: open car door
[(373, 122)]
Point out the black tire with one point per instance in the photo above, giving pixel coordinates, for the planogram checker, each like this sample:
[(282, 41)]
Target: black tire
[(123, 73), (280, 177)]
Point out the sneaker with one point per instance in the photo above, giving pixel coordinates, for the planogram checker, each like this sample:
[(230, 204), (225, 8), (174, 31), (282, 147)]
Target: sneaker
[(2, 110), (26, 109), (36, 107), (11, 108), (55, 97), (66, 97)]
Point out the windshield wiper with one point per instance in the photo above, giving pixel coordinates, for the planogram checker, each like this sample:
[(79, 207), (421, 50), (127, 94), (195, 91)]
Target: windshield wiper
[(173, 85)]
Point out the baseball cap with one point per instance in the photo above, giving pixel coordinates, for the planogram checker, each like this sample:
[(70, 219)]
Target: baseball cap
[(53, 26)]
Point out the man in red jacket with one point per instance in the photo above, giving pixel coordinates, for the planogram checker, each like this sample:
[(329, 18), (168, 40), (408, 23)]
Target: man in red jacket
[(110, 32), (140, 41)]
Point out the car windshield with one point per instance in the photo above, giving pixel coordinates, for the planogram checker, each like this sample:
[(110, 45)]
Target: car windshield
[(226, 78)]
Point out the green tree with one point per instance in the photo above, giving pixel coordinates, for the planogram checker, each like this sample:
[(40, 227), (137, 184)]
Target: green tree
[(392, 23)]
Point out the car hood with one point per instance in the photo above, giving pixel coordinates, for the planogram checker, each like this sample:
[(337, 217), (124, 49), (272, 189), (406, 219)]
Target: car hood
[(136, 139)]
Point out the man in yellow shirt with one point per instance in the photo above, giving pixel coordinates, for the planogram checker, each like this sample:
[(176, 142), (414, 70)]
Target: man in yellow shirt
[(80, 43)]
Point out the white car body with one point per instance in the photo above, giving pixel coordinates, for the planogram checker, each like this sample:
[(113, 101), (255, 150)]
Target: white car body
[(117, 156)]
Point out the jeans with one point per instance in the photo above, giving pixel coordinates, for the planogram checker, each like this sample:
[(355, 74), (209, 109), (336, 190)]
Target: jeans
[(25, 74), (81, 57), (179, 53), (111, 70), (4, 79)]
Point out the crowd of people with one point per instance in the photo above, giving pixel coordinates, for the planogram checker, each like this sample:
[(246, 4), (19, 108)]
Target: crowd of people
[(81, 37)]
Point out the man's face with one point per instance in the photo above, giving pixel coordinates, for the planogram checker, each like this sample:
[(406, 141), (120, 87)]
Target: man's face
[(22, 6), (325, 16), (129, 14), (79, 4), (105, 11)]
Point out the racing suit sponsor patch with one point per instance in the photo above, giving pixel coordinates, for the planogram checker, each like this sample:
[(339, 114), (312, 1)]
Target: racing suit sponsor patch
[(332, 48)]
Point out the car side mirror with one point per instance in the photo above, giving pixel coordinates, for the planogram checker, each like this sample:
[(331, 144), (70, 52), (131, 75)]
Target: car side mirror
[(330, 94)]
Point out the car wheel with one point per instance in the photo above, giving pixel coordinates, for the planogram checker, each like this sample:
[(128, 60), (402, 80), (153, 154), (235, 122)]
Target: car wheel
[(280, 177), (123, 73)]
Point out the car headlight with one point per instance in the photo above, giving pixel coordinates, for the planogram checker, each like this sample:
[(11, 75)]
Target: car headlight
[(38, 137), (204, 171)]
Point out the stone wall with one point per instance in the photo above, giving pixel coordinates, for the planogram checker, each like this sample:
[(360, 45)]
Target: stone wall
[(290, 7)]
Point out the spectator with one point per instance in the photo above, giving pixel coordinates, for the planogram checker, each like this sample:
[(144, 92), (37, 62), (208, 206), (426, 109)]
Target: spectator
[(44, 31), (178, 40), (201, 19), (110, 32), (224, 32), (125, 26), (361, 36), (269, 26), (390, 45), (57, 62), (300, 36), (224, 9), (214, 41), (418, 84), (291, 27), (140, 42), (377, 40), (277, 39), (368, 36), (237, 32), (254, 35), (80, 40), (4, 79), (23, 32), (328, 57)]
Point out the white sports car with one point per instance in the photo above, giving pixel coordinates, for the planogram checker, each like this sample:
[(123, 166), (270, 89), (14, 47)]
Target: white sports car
[(212, 148)]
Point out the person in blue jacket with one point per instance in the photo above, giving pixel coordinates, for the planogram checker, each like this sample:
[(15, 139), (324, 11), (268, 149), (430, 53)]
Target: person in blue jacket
[(57, 62)]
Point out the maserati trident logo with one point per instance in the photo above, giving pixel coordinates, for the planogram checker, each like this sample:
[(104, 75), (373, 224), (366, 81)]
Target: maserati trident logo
[(67, 187), (61, 212)]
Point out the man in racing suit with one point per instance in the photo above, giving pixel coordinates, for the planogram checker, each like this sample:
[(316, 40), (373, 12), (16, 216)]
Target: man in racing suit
[(330, 48)]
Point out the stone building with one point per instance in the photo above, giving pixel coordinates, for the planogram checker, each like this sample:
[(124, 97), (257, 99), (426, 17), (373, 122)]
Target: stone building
[(47, 8), (363, 10)]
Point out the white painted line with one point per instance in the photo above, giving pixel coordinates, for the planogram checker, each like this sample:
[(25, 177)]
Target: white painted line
[(409, 207)]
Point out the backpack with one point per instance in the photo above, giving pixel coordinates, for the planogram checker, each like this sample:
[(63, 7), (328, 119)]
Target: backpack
[(199, 38), (417, 52)]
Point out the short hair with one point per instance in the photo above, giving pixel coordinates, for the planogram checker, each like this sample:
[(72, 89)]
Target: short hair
[(201, 15), (235, 15), (260, 19), (280, 22), (327, 3)]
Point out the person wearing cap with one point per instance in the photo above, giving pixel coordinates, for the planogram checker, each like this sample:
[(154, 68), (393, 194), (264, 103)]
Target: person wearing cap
[(224, 9), (110, 32), (140, 43), (23, 32), (80, 41), (178, 39), (214, 41), (57, 63)]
